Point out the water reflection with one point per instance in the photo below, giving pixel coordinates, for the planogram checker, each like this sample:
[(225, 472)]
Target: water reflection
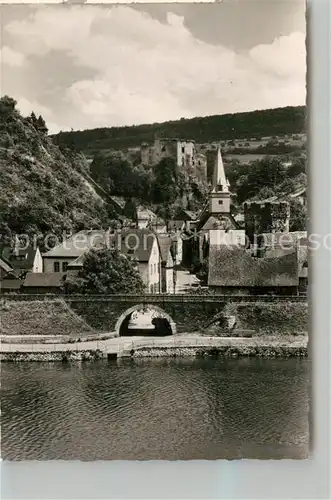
[(156, 409)]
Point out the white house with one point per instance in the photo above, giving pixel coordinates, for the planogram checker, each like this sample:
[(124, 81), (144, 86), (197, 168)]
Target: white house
[(140, 244), (63, 255), (143, 246), (23, 259), (167, 263)]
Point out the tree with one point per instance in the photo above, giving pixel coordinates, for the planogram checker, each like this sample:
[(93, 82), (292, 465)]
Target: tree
[(298, 219), (106, 271), (41, 125), (165, 188), (265, 173), (7, 106)]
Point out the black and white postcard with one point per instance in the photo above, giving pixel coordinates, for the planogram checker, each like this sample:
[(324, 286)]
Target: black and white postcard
[(153, 225)]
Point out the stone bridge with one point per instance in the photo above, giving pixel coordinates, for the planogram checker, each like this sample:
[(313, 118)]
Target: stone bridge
[(185, 313)]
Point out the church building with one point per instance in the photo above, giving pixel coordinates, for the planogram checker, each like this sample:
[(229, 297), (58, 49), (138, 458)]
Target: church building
[(216, 224)]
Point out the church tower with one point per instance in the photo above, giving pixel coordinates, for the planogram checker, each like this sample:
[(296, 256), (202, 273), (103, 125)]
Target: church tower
[(220, 196)]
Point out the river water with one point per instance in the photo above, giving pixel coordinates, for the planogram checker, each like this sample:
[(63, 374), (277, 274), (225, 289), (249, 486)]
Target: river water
[(155, 409)]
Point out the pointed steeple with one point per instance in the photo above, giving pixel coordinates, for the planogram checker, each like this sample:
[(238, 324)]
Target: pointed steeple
[(220, 182)]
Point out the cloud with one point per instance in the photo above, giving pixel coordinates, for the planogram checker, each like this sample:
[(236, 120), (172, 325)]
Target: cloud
[(11, 57), (142, 70), (26, 107)]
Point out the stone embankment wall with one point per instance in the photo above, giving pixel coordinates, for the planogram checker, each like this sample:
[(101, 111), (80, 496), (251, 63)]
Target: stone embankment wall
[(277, 318), (64, 356), (85, 316), (229, 351), (41, 317)]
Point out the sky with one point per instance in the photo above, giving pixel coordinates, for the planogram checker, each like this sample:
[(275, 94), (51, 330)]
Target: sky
[(87, 66)]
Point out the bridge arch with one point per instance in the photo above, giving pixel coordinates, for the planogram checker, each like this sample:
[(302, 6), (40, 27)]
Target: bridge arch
[(138, 307)]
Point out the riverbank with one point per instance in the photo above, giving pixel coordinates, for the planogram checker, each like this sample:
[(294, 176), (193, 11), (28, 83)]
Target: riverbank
[(140, 347)]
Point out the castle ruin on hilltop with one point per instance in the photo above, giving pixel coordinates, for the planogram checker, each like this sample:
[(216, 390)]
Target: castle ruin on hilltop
[(188, 158)]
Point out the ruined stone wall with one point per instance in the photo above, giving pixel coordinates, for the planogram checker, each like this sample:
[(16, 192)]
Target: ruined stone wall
[(268, 217)]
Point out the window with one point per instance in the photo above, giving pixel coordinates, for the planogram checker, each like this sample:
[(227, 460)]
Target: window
[(64, 266), (56, 267), (151, 288), (151, 268), (220, 202), (183, 149)]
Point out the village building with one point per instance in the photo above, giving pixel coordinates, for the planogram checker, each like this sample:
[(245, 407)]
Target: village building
[(61, 256), (5, 268), (168, 273), (140, 244), (9, 282), (40, 283), (22, 260), (143, 246), (215, 220), (235, 270), (249, 260)]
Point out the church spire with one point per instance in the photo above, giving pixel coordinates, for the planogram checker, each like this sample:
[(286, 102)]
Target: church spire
[(220, 182)]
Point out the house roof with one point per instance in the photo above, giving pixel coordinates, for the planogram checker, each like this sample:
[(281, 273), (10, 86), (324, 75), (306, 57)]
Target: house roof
[(46, 280), (220, 221), (10, 284), (78, 244), (13, 257), (165, 244), (137, 243), (230, 265), (284, 240), (190, 214), (77, 263), (126, 239), (5, 265), (184, 215)]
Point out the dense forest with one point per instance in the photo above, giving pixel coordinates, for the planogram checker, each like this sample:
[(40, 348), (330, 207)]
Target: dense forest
[(268, 122)]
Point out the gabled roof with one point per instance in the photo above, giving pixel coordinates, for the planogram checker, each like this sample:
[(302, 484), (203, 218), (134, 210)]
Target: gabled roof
[(285, 240), (5, 265), (220, 221), (137, 243), (165, 244), (78, 244), (230, 265), (46, 280), (77, 263), (12, 256), (10, 284), (185, 215)]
